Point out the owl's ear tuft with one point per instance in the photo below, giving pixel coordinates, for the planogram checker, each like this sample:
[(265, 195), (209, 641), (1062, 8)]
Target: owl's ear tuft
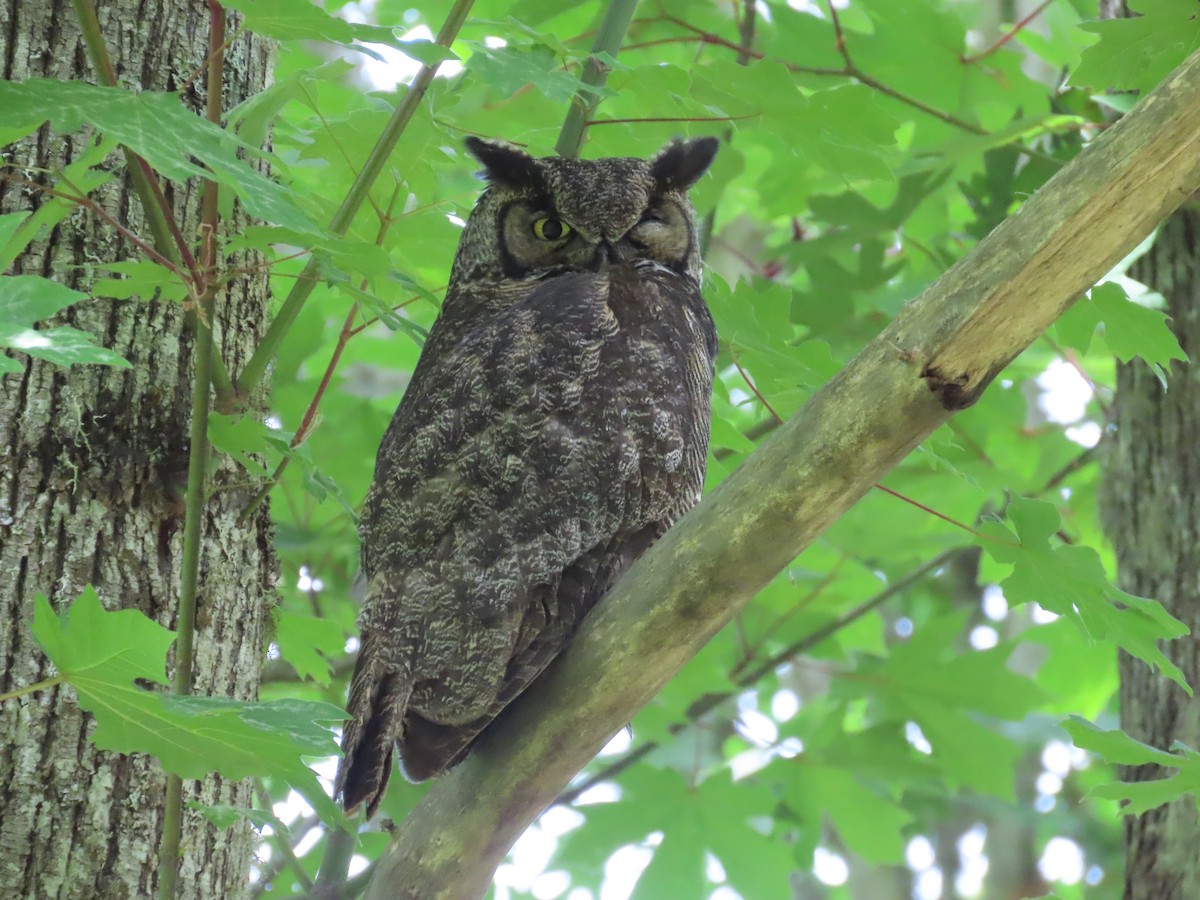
[(680, 164), (504, 163)]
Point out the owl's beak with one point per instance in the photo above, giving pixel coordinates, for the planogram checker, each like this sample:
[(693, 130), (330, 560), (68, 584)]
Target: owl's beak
[(609, 254)]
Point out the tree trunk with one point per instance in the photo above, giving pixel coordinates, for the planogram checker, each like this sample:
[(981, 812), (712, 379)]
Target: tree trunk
[(1152, 515), (93, 467)]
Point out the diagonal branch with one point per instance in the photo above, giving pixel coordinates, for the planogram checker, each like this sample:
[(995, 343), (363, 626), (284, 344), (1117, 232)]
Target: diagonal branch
[(936, 357)]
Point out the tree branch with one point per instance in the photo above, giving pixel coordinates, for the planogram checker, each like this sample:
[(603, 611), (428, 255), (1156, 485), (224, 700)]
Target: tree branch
[(595, 72), (936, 357)]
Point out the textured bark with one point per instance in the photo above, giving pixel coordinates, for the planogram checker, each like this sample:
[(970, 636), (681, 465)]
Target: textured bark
[(92, 474), (1152, 514)]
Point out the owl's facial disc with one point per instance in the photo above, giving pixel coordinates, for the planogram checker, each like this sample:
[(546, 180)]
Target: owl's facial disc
[(554, 215), (536, 240)]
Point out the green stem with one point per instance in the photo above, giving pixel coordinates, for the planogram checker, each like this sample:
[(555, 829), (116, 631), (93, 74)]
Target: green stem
[(298, 830), (310, 414), (256, 367), (93, 37), (32, 688), (608, 40), (335, 863), (168, 240), (181, 684), (168, 856), (283, 840)]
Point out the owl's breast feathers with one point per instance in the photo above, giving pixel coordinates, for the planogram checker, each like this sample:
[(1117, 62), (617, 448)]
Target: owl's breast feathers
[(533, 458)]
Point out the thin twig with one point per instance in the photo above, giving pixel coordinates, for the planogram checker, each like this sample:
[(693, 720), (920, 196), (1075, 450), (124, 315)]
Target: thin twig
[(757, 393), (168, 239), (297, 831), (954, 121), (315, 105), (185, 252), (973, 445), (590, 122), (280, 840), (679, 39), (194, 503), (367, 323), (746, 31), (827, 631), (848, 70), (933, 512), (1008, 36), (267, 348), (839, 37), (308, 420), (157, 216), (1079, 462), (187, 83), (750, 650), (81, 200), (753, 434), (886, 490)]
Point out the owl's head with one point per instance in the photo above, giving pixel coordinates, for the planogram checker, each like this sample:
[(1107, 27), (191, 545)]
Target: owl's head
[(541, 217)]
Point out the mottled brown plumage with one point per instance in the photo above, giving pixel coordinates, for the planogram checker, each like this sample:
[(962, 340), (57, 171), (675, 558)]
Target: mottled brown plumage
[(556, 425)]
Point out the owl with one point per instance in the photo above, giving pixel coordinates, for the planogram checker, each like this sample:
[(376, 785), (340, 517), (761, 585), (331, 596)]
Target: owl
[(555, 427)]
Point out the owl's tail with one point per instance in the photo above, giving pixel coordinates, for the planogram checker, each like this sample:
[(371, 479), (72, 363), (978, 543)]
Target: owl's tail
[(378, 699)]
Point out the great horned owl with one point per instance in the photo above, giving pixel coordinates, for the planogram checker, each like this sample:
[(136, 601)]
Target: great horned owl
[(556, 425)]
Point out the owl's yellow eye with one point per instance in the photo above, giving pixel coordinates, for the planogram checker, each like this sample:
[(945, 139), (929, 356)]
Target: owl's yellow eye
[(548, 229)]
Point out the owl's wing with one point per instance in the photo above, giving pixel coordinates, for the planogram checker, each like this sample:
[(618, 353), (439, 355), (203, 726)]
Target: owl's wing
[(526, 446)]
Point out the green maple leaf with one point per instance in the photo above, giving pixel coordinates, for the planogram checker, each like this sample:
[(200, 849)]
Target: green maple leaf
[(101, 653), (510, 68), (946, 693), (868, 821), (1120, 749), (1070, 581), (26, 299), (1139, 52), (307, 642), (1131, 329), (297, 20), (159, 129), (716, 817)]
